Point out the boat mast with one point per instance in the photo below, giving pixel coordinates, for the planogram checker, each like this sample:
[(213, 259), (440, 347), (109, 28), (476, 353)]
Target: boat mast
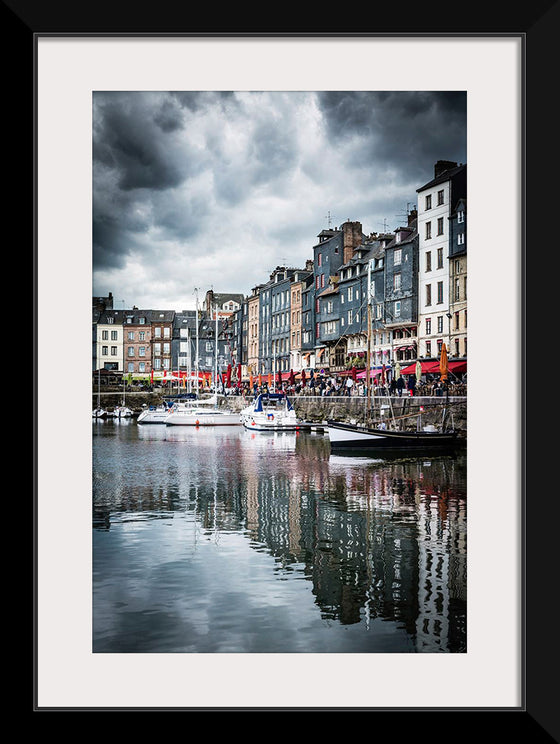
[(196, 349), (368, 354), (216, 354)]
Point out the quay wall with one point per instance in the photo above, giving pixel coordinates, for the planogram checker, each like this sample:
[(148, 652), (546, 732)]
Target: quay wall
[(317, 409)]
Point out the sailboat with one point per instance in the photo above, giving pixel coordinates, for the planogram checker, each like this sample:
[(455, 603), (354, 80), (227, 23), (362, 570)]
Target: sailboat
[(98, 412), (122, 411), (380, 436), (203, 412)]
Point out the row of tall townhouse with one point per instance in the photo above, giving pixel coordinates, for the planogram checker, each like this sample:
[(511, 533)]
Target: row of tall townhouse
[(142, 342), (409, 287)]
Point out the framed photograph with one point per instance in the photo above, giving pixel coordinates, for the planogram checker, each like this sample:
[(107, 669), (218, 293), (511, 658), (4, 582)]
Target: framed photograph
[(71, 68)]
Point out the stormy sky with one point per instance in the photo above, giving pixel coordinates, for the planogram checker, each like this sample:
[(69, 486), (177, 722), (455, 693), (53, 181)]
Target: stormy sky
[(215, 189)]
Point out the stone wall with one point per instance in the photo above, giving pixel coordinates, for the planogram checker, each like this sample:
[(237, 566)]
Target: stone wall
[(316, 409)]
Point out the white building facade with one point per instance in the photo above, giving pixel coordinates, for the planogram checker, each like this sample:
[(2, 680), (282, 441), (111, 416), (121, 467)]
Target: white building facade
[(436, 202)]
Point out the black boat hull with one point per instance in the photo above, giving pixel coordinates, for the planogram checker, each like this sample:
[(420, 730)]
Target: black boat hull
[(346, 436)]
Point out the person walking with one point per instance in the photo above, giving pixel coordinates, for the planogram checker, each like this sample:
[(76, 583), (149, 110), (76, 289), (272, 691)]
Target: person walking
[(400, 386), (412, 384)]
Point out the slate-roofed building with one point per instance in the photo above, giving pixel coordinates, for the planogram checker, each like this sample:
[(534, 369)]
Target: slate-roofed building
[(401, 292), (436, 201), (109, 340), (458, 280)]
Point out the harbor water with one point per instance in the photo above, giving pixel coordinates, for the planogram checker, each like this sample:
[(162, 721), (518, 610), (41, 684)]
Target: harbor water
[(223, 540)]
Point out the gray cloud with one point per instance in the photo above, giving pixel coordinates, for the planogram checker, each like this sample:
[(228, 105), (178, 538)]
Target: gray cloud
[(217, 188)]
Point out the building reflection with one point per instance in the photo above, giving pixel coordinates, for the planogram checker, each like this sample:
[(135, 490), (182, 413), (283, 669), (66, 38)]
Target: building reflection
[(376, 539)]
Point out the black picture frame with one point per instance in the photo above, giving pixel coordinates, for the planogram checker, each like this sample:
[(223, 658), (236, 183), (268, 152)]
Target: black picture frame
[(537, 720)]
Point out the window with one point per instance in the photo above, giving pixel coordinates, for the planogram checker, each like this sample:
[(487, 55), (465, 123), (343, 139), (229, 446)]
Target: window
[(142, 367), (317, 334), (428, 348), (457, 323), (142, 321), (439, 293), (113, 351), (113, 335), (319, 259), (157, 349), (428, 294), (130, 367), (110, 321), (349, 293), (105, 350), (317, 280), (322, 280), (141, 351), (131, 351), (460, 216), (166, 332), (130, 335), (461, 239), (440, 226), (428, 326), (398, 256), (440, 324), (428, 230), (157, 332), (457, 290), (440, 197), (349, 316), (317, 307), (440, 258), (104, 335), (429, 201), (396, 281), (397, 309), (209, 345), (428, 261)]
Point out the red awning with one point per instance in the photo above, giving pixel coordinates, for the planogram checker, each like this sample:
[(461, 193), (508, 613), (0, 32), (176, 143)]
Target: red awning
[(433, 367), (426, 367), (458, 367)]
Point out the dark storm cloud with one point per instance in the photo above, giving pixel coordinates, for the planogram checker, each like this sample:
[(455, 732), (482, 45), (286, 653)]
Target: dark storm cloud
[(401, 130), (131, 143), (189, 186)]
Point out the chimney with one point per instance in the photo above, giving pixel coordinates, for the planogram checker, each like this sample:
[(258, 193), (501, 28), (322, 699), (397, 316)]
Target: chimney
[(443, 165), (412, 215), (351, 239)]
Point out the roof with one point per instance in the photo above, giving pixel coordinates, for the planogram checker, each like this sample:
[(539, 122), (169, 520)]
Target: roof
[(162, 316), (443, 177), (333, 289), (112, 316)]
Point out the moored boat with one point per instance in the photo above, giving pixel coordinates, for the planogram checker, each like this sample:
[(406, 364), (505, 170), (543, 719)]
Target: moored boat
[(121, 412), (201, 413), (153, 415), (347, 436), (270, 412)]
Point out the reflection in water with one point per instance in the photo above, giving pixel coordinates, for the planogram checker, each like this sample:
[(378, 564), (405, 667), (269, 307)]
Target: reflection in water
[(228, 540)]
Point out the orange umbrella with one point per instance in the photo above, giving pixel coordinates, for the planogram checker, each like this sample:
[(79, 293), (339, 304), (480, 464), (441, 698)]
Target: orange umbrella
[(443, 363), (250, 380)]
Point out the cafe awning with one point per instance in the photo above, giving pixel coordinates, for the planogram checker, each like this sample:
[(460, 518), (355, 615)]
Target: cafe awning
[(433, 368)]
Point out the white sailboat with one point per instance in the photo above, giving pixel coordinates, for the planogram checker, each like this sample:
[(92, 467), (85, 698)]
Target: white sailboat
[(122, 411), (270, 412), (203, 412), (99, 412)]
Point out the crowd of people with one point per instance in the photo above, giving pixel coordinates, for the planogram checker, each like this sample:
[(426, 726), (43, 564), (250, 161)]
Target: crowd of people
[(335, 385)]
